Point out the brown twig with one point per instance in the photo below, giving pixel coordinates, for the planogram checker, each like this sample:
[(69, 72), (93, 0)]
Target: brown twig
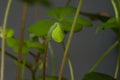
[(45, 57), (21, 41)]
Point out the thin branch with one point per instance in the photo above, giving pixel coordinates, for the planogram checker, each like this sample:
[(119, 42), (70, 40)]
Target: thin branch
[(21, 41), (45, 57), (15, 58)]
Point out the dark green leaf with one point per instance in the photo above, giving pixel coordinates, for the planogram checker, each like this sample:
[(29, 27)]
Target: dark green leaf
[(61, 13), (67, 23), (111, 23), (50, 78), (97, 76), (14, 44), (41, 28)]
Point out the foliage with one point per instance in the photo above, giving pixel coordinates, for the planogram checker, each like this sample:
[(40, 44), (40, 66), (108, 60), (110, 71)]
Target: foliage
[(56, 26)]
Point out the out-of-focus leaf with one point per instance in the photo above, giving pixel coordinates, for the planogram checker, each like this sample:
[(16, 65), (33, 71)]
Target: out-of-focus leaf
[(61, 12), (14, 44), (67, 23), (111, 23), (97, 76), (30, 44), (8, 33), (92, 16), (32, 2), (41, 28), (50, 78)]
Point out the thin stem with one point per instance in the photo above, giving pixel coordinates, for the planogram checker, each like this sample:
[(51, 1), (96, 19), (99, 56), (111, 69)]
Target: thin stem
[(21, 41), (69, 39), (118, 62), (45, 57), (69, 63), (23, 68), (53, 59), (71, 68), (3, 40), (68, 3), (104, 56), (117, 67), (115, 10)]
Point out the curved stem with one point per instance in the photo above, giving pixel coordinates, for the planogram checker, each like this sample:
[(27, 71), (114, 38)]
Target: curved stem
[(21, 41), (115, 10), (69, 63), (70, 39), (104, 56), (118, 62), (3, 40), (53, 59)]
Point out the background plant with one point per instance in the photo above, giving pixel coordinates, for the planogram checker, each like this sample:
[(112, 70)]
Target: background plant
[(62, 19)]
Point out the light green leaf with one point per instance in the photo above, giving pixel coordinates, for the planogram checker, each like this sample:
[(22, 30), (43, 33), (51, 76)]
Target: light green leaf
[(97, 76), (67, 23), (41, 28), (61, 12), (58, 34)]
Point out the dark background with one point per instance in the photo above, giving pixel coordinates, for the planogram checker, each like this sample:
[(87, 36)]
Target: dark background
[(86, 46)]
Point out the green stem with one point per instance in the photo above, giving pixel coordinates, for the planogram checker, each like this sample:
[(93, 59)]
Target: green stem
[(118, 62), (71, 68), (70, 39), (3, 40), (69, 63), (104, 56), (53, 59), (115, 10)]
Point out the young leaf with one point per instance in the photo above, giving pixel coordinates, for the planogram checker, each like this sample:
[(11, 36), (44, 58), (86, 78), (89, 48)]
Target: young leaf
[(67, 23), (41, 28), (61, 12), (50, 78), (58, 34), (97, 76)]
